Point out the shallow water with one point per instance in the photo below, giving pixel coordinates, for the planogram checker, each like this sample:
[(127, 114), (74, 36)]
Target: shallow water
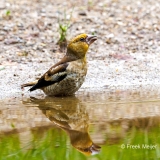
[(104, 125)]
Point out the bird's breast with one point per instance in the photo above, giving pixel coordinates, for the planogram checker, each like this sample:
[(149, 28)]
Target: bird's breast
[(79, 66)]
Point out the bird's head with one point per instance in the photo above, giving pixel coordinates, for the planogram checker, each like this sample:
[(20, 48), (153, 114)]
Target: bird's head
[(78, 46)]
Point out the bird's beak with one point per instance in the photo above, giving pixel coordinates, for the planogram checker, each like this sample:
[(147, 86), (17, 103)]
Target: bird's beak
[(95, 149), (92, 150), (90, 39)]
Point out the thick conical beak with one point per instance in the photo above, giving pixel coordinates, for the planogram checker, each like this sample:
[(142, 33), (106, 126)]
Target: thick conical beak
[(90, 39), (95, 149)]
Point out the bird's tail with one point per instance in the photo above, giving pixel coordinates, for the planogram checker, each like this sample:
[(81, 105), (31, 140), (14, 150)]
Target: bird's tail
[(29, 84), (34, 87)]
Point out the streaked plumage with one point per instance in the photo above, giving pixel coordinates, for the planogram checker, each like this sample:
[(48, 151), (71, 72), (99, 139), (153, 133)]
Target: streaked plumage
[(66, 76)]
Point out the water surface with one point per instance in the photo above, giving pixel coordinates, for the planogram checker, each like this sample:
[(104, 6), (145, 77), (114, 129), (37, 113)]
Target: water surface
[(101, 125)]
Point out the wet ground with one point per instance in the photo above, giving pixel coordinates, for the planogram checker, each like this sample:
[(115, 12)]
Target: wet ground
[(125, 55), (118, 125)]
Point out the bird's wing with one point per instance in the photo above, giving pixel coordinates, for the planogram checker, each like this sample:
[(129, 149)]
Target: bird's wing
[(53, 75)]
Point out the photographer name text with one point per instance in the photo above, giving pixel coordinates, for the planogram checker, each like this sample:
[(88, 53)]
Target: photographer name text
[(139, 146)]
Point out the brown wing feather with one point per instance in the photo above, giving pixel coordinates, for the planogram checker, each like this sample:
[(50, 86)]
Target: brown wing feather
[(53, 75), (53, 70), (47, 79)]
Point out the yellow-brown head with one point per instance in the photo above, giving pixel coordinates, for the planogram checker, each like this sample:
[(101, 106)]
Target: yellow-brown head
[(79, 45)]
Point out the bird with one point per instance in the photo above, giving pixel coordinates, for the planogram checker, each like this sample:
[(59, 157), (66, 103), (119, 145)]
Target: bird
[(66, 76)]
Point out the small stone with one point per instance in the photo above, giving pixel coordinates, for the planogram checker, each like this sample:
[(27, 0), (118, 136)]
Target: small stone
[(82, 13), (23, 53), (109, 41), (2, 67), (13, 41), (2, 38), (79, 28), (35, 34)]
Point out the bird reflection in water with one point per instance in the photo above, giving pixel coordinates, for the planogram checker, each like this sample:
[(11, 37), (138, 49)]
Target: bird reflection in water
[(69, 114)]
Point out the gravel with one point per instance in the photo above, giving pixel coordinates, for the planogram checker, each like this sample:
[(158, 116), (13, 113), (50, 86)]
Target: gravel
[(126, 54)]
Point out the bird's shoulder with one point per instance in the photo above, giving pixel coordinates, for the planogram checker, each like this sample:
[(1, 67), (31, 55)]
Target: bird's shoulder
[(65, 66), (55, 70), (59, 67)]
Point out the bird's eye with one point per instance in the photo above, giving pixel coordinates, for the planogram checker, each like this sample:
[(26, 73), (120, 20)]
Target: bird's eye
[(82, 39)]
